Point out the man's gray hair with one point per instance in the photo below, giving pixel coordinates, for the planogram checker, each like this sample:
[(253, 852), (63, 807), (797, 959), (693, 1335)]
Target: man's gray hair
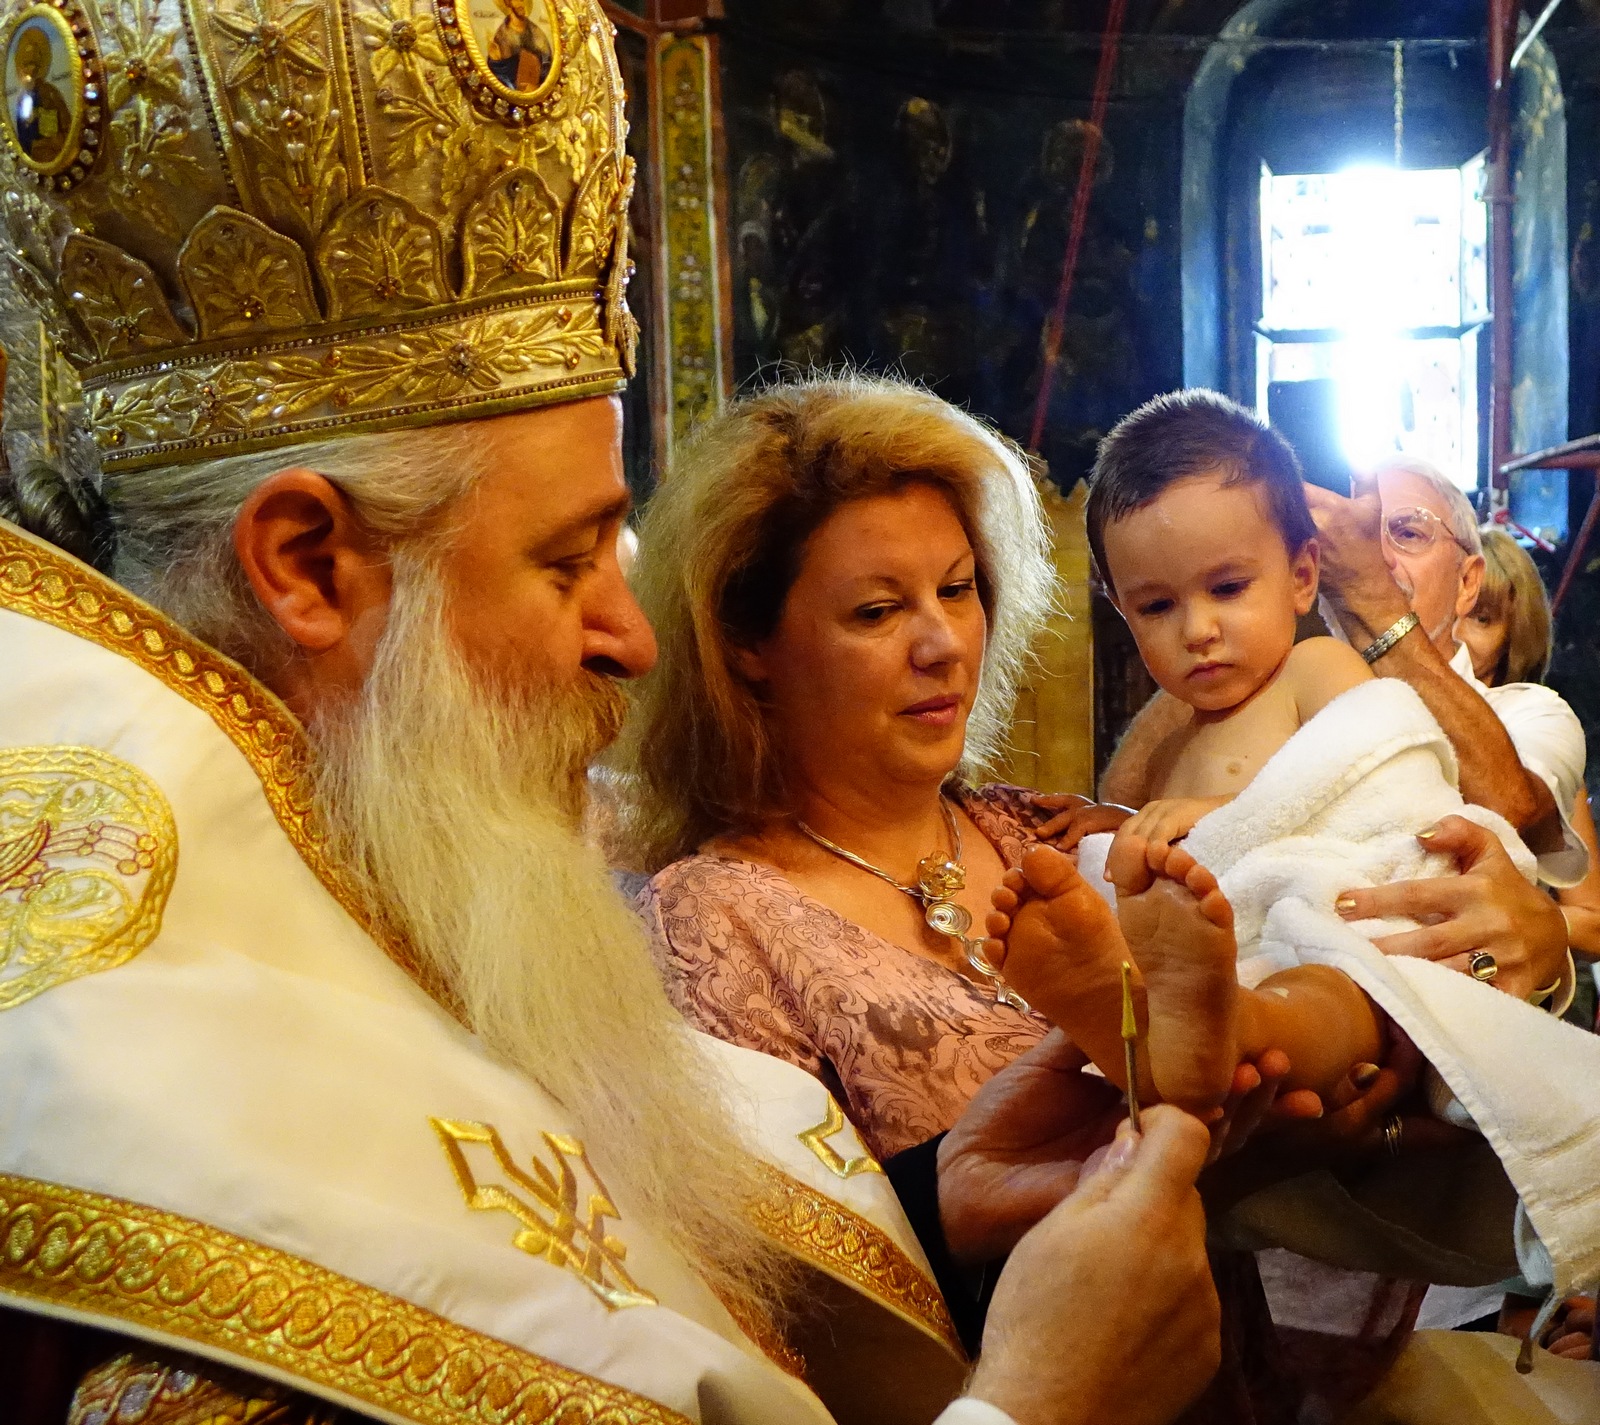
[(1460, 516), (174, 523)]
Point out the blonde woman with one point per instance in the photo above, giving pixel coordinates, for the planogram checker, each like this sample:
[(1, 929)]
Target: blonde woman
[(844, 577)]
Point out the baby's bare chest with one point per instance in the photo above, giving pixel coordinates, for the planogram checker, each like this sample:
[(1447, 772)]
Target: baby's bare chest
[(1220, 759)]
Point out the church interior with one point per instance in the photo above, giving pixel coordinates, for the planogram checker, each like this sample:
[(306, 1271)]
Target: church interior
[(705, 899), (914, 186)]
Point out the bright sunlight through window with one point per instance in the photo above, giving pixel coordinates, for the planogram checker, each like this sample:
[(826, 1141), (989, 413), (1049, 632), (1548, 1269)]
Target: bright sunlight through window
[(1375, 279)]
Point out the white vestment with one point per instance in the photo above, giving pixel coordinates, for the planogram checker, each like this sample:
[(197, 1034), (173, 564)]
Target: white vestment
[(232, 1123)]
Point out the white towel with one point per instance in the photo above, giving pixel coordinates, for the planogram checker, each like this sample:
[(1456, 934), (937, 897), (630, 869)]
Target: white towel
[(1339, 807)]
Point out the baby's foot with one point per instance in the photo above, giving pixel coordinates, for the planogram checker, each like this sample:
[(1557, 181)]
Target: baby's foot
[(1057, 943), (1180, 931)]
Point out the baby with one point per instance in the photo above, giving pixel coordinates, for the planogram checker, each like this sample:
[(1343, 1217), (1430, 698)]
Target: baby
[(1199, 526)]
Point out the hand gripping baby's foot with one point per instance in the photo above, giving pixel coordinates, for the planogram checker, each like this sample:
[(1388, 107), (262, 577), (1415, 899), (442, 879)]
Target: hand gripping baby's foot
[(1180, 931), (1057, 943)]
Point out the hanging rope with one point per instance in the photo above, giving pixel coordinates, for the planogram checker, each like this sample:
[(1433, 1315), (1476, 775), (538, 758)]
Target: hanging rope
[(1080, 214)]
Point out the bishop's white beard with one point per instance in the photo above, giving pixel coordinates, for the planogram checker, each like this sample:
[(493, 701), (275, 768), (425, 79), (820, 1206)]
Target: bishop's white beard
[(457, 806)]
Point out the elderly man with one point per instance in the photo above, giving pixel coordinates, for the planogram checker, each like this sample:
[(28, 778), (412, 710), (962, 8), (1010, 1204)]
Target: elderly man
[(334, 1078), (1401, 562)]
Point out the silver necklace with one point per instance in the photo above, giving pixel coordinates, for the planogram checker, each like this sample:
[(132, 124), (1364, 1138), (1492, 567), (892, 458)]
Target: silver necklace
[(939, 878)]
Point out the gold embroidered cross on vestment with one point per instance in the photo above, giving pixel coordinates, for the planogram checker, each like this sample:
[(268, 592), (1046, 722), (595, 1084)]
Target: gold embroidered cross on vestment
[(547, 1206)]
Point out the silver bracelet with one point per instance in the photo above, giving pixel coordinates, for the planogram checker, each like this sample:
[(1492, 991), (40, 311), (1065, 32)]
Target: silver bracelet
[(1389, 637)]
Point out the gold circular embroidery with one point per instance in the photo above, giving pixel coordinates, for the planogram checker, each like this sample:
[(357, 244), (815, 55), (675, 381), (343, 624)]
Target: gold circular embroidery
[(88, 850)]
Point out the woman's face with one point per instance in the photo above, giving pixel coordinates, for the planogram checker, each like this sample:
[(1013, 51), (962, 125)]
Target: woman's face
[(874, 665), (1485, 635)]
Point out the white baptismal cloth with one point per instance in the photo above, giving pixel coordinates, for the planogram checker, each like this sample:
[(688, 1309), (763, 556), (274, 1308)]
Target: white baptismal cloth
[(1339, 807)]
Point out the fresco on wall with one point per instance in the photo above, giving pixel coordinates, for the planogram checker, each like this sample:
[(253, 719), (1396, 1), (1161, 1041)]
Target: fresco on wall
[(906, 209)]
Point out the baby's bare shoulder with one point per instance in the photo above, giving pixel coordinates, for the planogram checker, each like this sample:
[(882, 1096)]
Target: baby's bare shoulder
[(1325, 652), (1319, 669)]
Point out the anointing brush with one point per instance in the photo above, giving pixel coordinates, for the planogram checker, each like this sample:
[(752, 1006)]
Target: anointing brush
[(1130, 1044)]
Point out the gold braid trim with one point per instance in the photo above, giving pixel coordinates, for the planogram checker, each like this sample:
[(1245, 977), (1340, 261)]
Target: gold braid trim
[(42, 582), (153, 1388), (121, 1263), (846, 1246)]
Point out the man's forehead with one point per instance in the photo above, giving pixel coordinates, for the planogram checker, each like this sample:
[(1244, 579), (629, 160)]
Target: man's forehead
[(564, 461), (1397, 488)]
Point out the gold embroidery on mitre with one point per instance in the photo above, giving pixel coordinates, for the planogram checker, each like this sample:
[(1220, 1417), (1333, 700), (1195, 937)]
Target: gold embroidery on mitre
[(317, 218), (549, 1211), (88, 850), (816, 1139), (145, 1388), (122, 1264)]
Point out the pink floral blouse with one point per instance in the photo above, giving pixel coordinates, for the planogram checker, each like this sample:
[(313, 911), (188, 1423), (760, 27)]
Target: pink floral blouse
[(902, 1042)]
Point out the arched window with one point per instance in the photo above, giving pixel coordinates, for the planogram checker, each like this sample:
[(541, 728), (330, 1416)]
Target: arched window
[(1343, 293)]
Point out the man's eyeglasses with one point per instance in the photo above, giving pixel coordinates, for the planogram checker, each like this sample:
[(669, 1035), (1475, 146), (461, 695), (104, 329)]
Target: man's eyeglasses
[(1412, 530)]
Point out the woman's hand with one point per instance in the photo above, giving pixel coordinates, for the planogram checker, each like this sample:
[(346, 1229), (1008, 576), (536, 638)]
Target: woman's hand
[(1107, 1310), (1572, 1333), (1019, 1147), (1078, 817), (1351, 1129), (1489, 906), (1256, 1097)]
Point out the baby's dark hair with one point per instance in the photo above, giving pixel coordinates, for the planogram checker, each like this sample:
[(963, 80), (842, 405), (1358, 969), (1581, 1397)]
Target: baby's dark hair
[(1189, 433)]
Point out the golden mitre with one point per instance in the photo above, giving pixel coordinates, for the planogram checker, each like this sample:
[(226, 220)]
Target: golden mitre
[(253, 222)]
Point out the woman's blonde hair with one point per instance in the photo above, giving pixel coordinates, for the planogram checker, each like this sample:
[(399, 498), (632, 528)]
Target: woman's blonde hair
[(1513, 590), (721, 543)]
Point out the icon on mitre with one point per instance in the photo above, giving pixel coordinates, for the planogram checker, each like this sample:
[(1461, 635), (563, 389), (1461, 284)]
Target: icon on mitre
[(515, 38)]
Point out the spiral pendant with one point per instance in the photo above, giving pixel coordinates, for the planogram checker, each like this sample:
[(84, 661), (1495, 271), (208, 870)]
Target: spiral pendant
[(948, 918), (1003, 992)]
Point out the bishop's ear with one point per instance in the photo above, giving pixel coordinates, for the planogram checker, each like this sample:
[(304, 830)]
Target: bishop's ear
[(315, 568)]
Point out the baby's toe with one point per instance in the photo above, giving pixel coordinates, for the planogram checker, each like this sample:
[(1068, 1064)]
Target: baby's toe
[(1215, 907), (1048, 871)]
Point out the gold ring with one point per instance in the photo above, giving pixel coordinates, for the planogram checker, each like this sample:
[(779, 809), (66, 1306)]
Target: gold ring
[(1392, 1127), (1481, 965)]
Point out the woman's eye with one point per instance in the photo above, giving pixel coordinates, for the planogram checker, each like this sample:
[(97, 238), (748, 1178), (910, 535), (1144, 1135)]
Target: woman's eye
[(874, 613), (958, 589)]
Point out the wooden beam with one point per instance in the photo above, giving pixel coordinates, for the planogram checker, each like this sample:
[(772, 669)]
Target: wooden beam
[(674, 12)]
